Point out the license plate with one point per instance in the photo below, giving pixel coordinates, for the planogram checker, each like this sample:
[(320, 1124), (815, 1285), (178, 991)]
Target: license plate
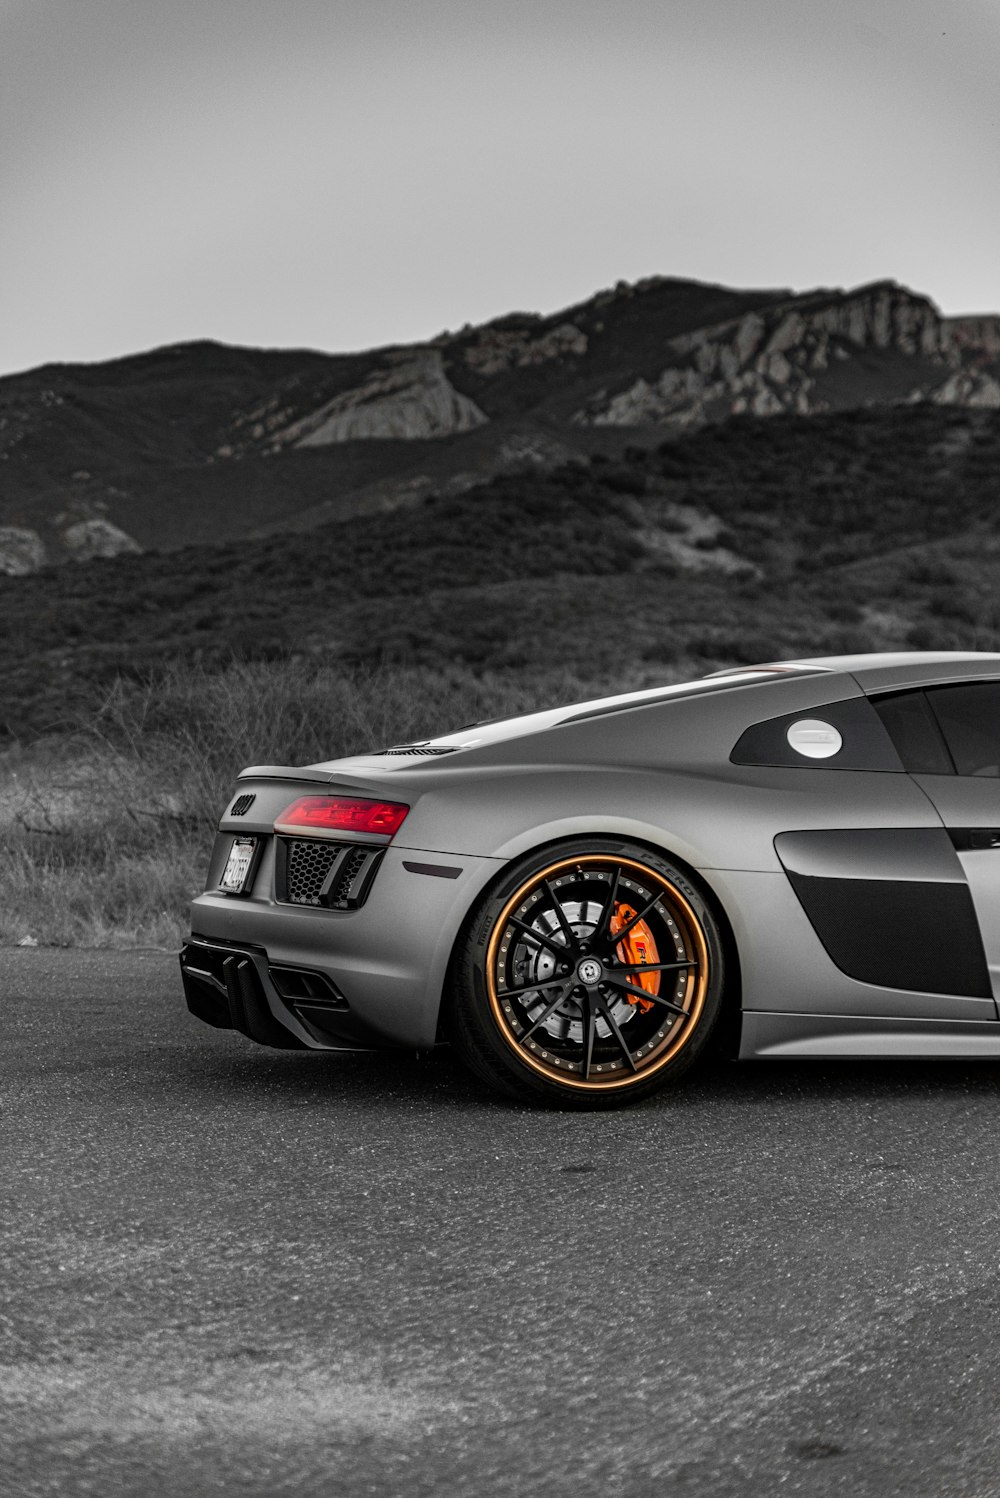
[(238, 865)]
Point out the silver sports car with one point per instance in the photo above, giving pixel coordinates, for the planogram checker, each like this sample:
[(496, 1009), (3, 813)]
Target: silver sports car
[(798, 859)]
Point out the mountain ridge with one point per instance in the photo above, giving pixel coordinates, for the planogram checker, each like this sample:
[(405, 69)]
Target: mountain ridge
[(205, 442)]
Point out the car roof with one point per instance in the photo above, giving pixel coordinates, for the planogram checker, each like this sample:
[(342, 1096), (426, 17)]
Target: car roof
[(879, 670)]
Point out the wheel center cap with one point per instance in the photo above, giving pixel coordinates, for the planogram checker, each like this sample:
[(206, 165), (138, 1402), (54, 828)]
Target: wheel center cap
[(590, 971)]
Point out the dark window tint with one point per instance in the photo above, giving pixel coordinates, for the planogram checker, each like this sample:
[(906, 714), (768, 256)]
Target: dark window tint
[(914, 730), (969, 717)]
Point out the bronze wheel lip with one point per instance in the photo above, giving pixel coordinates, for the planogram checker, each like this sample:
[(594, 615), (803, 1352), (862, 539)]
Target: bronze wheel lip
[(695, 989)]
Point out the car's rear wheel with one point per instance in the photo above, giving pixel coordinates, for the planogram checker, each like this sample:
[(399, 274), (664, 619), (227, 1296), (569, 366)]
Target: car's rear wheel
[(589, 977)]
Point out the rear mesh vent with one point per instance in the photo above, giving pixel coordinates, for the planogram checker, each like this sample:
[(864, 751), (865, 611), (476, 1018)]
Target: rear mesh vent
[(242, 804), (421, 749), (313, 871), (306, 870)]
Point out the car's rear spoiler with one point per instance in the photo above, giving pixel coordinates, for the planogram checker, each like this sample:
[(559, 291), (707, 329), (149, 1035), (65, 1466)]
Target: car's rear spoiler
[(303, 772)]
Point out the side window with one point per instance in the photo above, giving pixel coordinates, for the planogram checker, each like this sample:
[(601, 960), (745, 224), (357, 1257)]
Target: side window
[(844, 735), (969, 719), (914, 730)]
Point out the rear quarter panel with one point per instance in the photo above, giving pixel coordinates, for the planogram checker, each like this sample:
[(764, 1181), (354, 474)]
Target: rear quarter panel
[(659, 774)]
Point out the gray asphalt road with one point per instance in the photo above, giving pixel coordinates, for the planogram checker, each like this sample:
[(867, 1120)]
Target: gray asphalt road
[(229, 1270)]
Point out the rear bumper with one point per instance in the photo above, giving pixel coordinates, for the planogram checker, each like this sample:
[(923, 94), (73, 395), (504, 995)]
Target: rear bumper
[(290, 1008), (386, 962)]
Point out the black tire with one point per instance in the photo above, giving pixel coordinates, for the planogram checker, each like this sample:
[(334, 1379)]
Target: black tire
[(590, 976)]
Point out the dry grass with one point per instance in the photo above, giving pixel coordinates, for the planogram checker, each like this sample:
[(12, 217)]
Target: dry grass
[(107, 830)]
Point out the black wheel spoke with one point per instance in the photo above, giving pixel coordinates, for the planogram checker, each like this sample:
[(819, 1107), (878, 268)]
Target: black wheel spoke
[(609, 1019), (648, 967), (515, 993), (601, 929), (589, 1027), (564, 925), (546, 1014), (623, 931), (640, 993), (541, 937)]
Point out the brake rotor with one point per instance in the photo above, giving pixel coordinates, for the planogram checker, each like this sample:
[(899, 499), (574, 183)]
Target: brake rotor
[(539, 965)]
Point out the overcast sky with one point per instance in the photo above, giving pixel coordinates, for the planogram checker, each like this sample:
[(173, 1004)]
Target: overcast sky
[(344, 173)]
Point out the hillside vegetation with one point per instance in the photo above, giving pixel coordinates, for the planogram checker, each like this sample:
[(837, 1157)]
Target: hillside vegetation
[(740, 542)]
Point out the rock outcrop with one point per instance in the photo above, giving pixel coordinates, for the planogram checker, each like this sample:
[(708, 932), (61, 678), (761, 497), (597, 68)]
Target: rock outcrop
[(783, 358), (966, 387), (86, 539), (22, 550), (411, 397)]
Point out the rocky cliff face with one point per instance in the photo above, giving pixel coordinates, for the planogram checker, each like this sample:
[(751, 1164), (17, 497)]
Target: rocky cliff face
[(409, 398), (786, 358)]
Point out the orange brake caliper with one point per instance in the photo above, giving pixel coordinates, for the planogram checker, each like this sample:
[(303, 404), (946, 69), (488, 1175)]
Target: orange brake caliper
[(637, 948)]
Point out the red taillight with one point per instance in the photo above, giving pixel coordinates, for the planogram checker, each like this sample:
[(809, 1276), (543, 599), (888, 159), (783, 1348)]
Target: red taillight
[(342, 814)]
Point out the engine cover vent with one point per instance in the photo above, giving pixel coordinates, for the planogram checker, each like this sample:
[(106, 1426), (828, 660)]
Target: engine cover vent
[(421, 749)]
